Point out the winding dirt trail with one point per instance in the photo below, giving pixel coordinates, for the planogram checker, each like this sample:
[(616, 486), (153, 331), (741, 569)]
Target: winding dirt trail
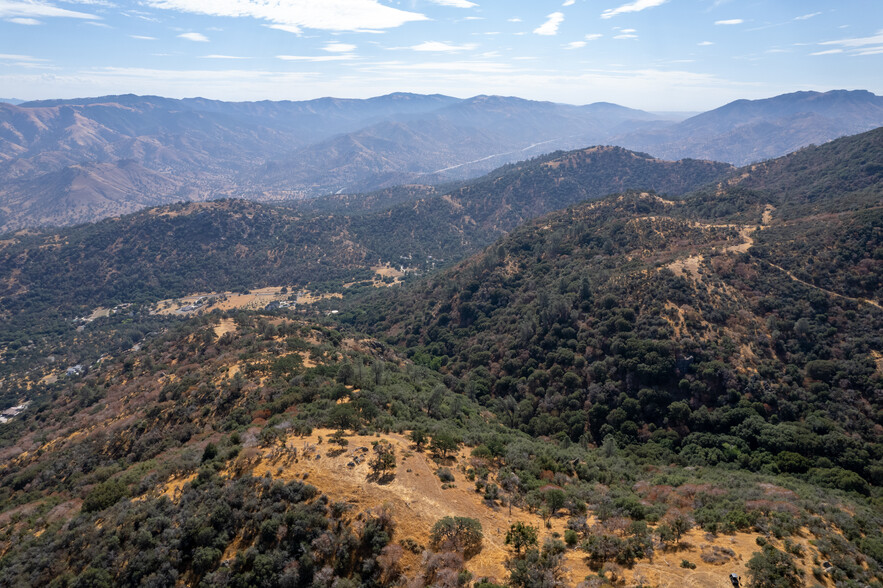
[(690, 265)]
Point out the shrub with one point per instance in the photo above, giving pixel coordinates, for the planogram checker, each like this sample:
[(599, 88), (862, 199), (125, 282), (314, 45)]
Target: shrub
[(771, 568), (461, 534), (104, 495), (445, 475)]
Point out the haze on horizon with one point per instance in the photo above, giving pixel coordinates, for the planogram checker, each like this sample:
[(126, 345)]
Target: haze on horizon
[(685, 55)]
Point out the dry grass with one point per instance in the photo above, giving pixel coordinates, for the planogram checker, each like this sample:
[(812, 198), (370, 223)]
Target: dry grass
[(416, 499)]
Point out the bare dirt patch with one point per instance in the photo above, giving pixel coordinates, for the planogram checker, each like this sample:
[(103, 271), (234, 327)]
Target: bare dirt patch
[(226, 325), (417, 499), (687, 267)]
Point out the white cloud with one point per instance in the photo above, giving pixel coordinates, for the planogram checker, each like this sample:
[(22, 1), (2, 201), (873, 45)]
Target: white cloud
[(91, 2), (198, 37), (26, 21), (871, 51), (576, 45), (455, 3), (807, 16), (550, 27), (828, 52), (287, 28), (339, 48), (569, 2), (222, 57), (32, 9), (481, 67), (705, 43), (436, 46), (516, 19), (627, 31), (333, 15), (732, 21), (858, 42), (14, 57), (626, 36), (636, 6), (316, 58), (593, 36), (143, 37)]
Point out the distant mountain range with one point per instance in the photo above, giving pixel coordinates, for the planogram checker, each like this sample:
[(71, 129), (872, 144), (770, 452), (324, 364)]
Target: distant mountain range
[(69, 161)]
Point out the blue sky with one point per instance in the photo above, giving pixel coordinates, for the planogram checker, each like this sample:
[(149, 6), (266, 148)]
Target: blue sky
[(650, 54)]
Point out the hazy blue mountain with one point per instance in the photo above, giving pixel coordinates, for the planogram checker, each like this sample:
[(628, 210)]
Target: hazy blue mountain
[(746, 131), (459, 141), (275, 151)]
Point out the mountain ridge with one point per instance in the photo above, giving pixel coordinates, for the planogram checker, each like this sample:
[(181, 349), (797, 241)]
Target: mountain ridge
[(277, 151)]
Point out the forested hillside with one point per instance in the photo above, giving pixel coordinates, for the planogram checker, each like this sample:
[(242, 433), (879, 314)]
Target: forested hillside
[(638, 390), (237, 245)]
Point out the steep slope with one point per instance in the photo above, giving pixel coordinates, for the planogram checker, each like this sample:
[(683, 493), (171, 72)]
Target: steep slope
[(622, 375), (82, 193), (747, 131), (474, 215), (677, 323), (239, 450), (233, 245)]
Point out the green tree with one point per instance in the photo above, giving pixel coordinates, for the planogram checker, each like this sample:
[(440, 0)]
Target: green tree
[(771, 568), (418, 437), (538, 568), (444, 442), (521, 536), (384, 459), (460, 534)]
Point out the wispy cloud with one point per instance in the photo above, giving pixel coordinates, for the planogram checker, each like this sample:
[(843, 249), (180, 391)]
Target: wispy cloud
[(576, 45), (15, 57), (569, 2), (859, 46), (636, 6), (316, 58), (705, 43), (25, 21), (807, 16), (337, 15), (514, 19), (36, 9), (287, 28), (593, 36), (732, 21), (339, 48), (197, 37), (474, 67), (223, 57), (455, 3), (550, 27), (858, 42), (143, 37), (439, 47)]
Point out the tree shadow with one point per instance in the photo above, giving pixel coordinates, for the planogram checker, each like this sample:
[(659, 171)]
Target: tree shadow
[(381, 479)]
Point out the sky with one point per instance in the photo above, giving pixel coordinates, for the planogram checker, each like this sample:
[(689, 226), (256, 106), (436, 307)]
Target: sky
[(659, 55)]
